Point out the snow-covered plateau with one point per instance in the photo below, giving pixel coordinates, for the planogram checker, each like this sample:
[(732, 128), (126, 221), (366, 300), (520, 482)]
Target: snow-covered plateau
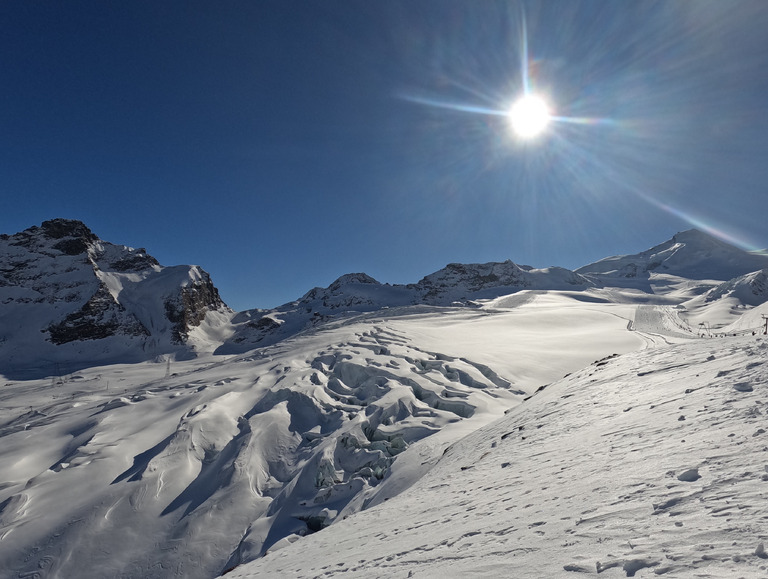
[(491, 420)]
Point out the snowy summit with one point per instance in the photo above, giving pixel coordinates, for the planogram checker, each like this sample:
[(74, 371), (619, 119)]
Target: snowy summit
[(489, 420)]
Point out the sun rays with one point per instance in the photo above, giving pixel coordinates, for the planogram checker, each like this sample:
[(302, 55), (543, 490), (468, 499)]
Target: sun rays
[(611, 159)]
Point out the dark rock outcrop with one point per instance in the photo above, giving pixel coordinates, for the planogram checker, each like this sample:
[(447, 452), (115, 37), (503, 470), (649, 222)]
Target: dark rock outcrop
[(100, 317), (188, 309)]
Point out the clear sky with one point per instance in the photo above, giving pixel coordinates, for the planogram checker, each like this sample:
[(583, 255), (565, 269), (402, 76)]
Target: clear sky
[(280, 144)]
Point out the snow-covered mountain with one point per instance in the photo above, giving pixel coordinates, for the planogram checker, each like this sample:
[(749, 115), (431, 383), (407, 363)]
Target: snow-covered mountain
[(460, 282), (688, 265), (691, 254), (457, 285), (69, 299), (431, 421)]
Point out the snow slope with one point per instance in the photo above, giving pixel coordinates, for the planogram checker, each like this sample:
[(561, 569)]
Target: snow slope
[(191, 467), (490, 420), (690, 254), (651, 463)]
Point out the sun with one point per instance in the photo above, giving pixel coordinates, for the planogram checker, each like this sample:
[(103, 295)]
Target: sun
[(529, 116)]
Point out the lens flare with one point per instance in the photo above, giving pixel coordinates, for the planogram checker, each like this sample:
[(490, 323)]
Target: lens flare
[(556, 142)]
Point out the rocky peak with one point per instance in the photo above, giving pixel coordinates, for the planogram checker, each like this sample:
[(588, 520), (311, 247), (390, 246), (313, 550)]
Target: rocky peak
[(352, 278), (60, 228), (474, 277), (62, 288), (68, 236), (188, 308)]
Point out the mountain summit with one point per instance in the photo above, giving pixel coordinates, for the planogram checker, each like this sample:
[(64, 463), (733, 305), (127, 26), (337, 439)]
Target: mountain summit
[(67, 295), (691, 254)]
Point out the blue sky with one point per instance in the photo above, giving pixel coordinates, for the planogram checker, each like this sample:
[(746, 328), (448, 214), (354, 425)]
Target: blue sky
[(280, 144)]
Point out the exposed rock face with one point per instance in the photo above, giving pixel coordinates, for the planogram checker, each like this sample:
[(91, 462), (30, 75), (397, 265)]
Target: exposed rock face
[(60, 228), (136, 262), (472, 278), (189, 308), (60, 286), (74, 235), (100, 317)]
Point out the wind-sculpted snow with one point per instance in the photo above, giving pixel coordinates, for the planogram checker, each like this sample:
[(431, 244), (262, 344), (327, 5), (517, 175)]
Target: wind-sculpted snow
[(144, 472), (648, 464), (321, 414)]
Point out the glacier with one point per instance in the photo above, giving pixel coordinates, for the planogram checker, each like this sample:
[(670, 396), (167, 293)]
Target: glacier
[(490, 419)]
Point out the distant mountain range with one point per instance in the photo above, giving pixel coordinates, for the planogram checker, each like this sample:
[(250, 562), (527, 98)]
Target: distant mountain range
[(70, 299)]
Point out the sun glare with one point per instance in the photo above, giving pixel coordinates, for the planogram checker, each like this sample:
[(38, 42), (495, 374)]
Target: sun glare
[(529, 116)]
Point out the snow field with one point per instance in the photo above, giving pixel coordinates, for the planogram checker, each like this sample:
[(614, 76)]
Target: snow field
[(193, 467)]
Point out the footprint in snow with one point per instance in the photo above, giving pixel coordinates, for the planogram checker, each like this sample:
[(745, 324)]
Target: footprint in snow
[(690, 475)]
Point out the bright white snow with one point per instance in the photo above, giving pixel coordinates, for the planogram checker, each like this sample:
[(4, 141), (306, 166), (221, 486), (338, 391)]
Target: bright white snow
[(206, 463), (492, 420), (653, 463)]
